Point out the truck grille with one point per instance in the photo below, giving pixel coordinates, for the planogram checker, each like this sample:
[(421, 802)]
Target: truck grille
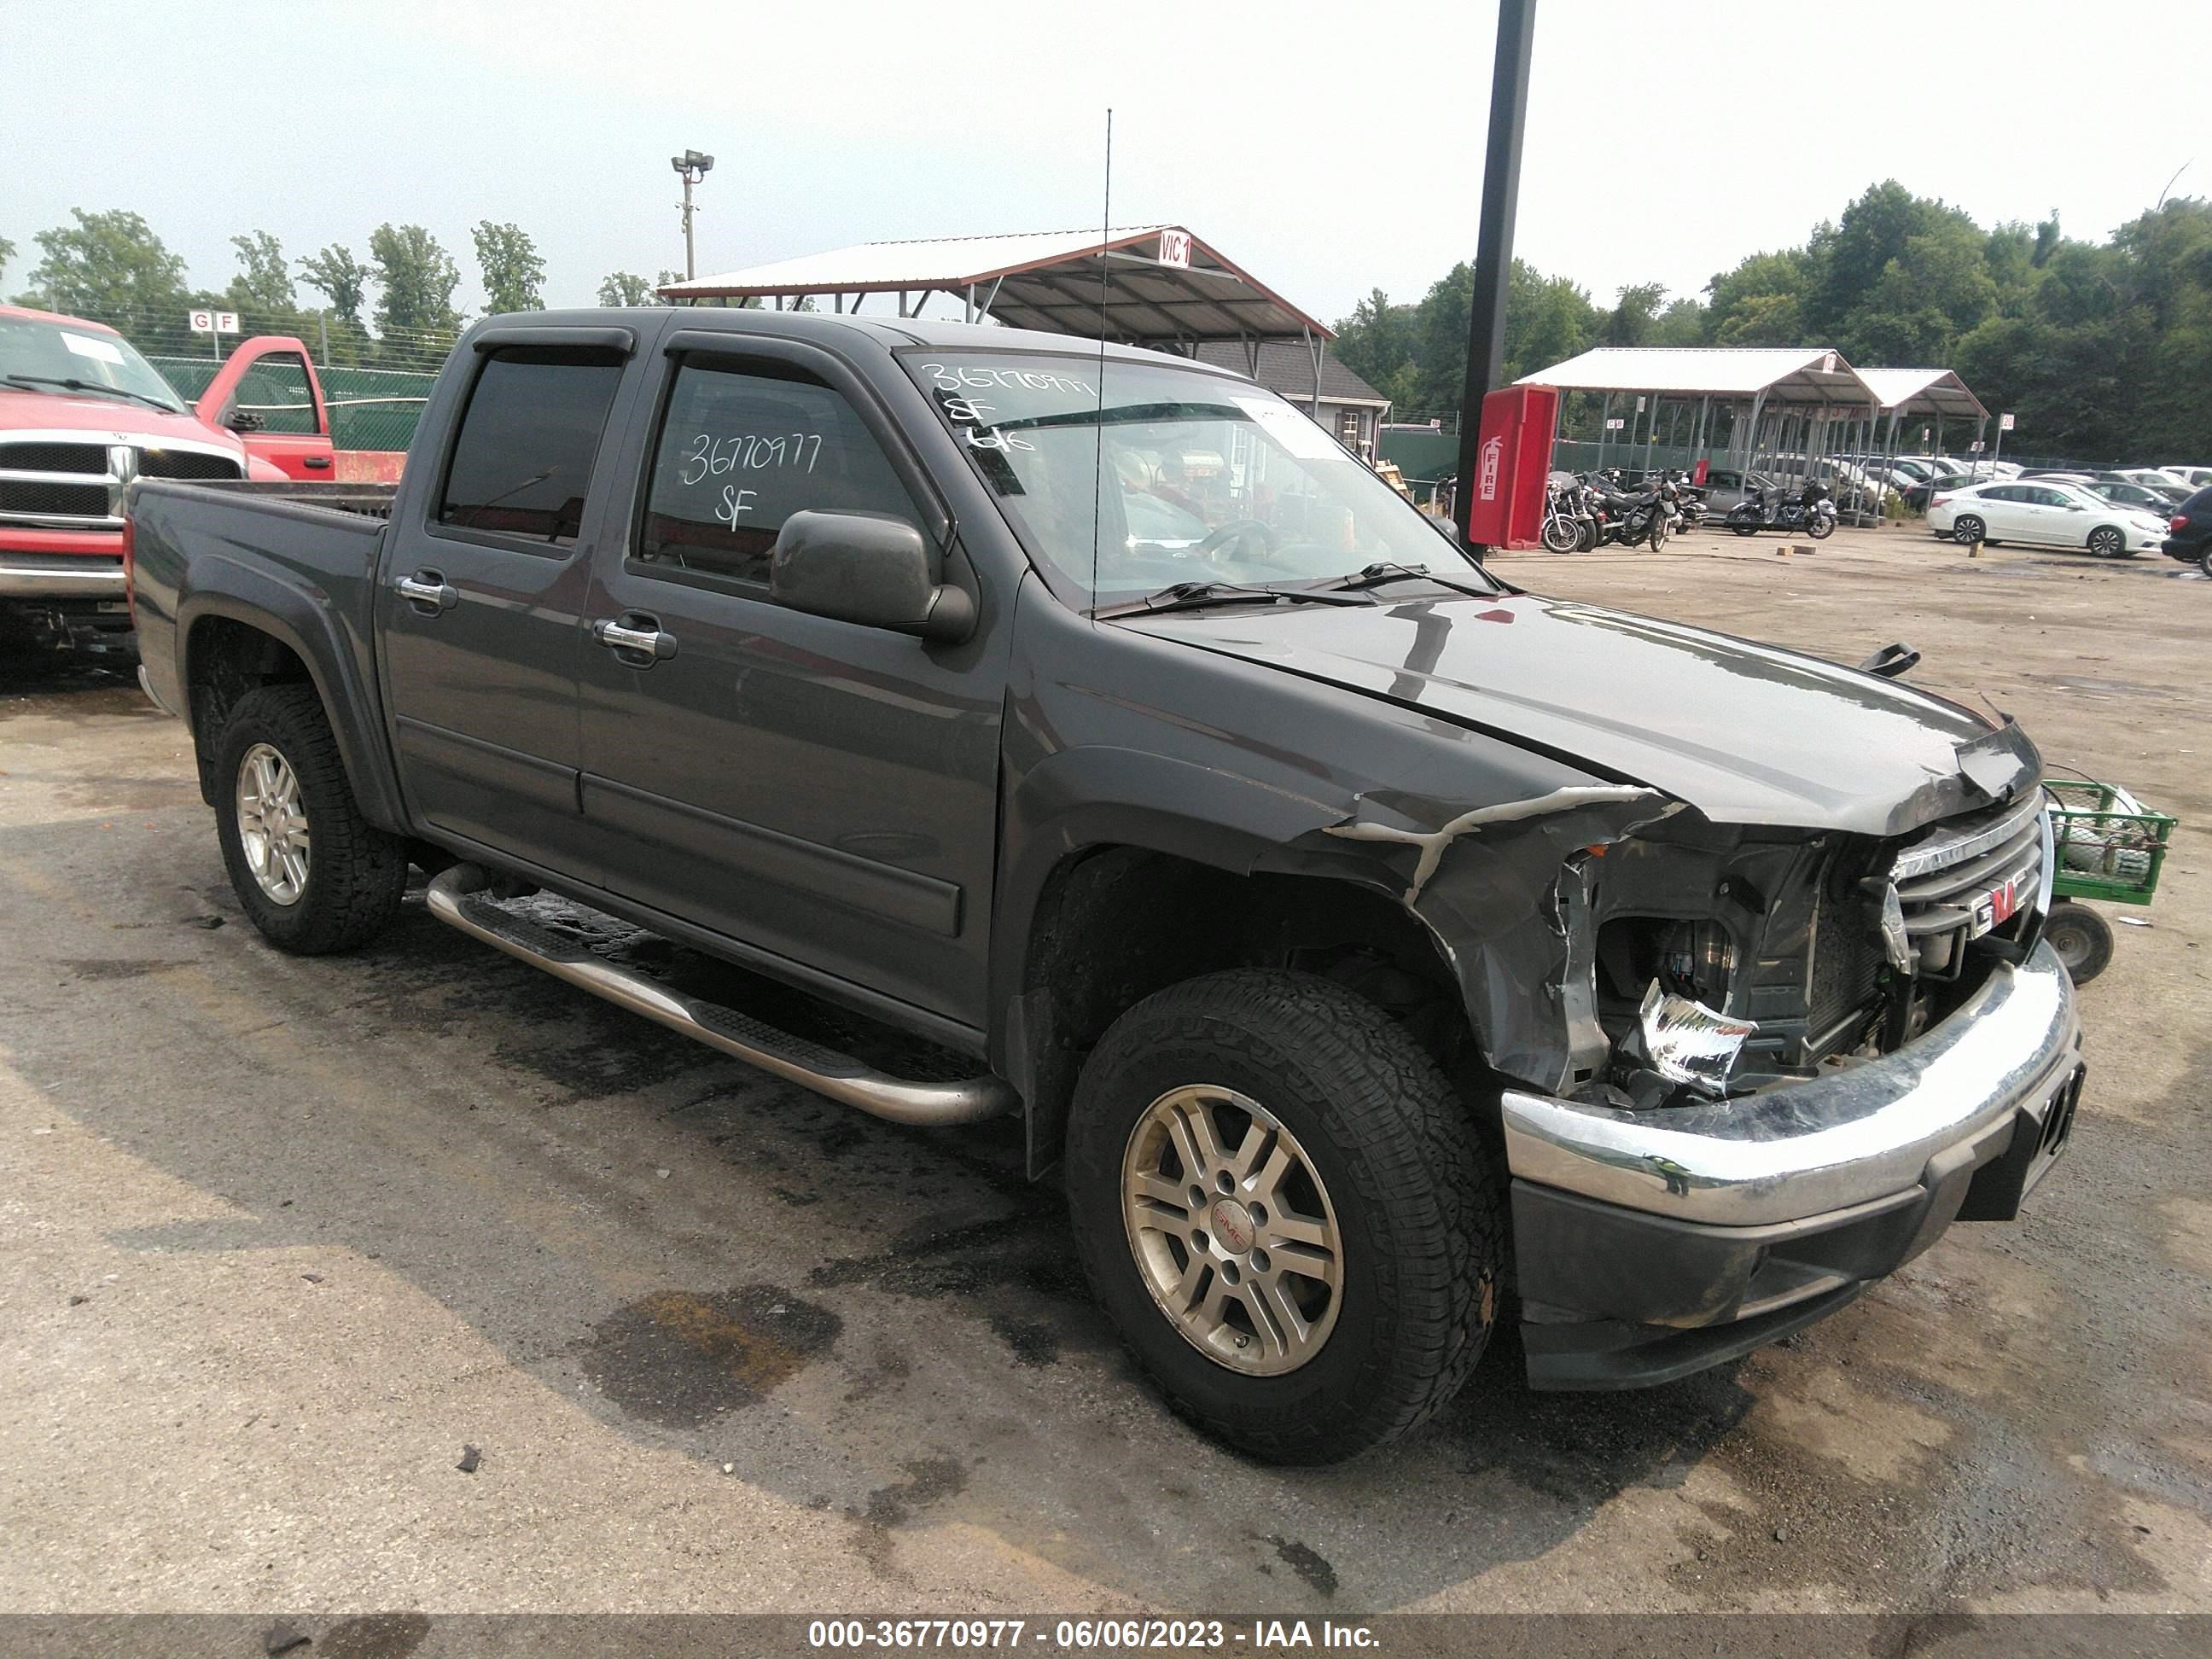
[(54, 458), (185, 464), (1967, 877), (65, 485), (36, 498)]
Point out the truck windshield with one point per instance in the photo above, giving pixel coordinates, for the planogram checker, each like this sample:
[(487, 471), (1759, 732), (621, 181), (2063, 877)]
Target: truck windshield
[(37, 356), (1206, 478)]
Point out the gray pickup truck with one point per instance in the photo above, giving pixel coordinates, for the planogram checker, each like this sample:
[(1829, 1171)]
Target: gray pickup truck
[(1374, 950)]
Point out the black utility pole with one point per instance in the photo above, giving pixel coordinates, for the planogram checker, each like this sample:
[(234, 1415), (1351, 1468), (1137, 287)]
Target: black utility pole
[(1493, 255)]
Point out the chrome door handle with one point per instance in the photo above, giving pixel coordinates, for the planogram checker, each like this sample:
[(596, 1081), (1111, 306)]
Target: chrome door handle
[(648, 642), (428, 591)]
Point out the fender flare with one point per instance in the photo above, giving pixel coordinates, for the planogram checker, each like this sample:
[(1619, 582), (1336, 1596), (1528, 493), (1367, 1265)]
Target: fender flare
[(216, 587)]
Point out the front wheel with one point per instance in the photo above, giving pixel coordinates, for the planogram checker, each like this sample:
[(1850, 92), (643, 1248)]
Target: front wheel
[(1281, 1203), (1658, 537), (1561, 533), (2107, 543), (1742, 529), (2082, 939), (312, 874), (1820, 527)]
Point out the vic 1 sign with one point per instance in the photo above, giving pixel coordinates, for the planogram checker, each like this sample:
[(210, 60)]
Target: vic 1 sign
[(214, 322), (1175, 248)]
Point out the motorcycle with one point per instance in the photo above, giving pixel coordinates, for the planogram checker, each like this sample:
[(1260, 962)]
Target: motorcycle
[(1810, 512), (1565, 524)]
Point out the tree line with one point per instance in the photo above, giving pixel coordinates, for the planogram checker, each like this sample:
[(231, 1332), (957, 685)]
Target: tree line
[(394, 309), (2102, 348)]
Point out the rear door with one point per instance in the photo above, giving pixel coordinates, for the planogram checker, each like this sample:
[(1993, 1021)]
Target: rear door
[(483, 595), (2003, 508), (821, 791)]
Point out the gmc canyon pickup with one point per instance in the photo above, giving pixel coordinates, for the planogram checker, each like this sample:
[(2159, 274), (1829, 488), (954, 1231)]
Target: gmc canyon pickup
[(1373, 949)]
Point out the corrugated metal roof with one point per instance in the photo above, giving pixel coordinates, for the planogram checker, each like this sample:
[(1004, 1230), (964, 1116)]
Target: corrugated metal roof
[(1924, 391), (1057, 281), (947, 262), (1785, 374)]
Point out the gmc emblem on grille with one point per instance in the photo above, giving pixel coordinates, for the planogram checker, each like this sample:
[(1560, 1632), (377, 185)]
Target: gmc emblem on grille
[(1996, 907)]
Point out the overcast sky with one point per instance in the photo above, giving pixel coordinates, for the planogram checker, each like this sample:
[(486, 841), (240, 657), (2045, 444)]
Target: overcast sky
[(1326, 149)]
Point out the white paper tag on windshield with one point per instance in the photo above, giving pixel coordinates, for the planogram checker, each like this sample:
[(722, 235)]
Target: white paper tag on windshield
[(1291, 429), (90, 345)]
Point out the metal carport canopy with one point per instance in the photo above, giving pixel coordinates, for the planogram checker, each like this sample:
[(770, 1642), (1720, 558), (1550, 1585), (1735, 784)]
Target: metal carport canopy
[(1924, 391), (1049, 280), (1784, 374)]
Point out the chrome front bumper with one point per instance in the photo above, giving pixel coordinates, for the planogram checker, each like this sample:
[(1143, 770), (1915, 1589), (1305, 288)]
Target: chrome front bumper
[(69, 576), (1813, 1148)]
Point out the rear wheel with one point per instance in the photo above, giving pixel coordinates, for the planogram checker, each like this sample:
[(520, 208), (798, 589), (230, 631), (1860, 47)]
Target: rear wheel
[(312, 874), (1968, 530), (2107, 542), (2204, 560), (1280, 1202), (2082, 939)]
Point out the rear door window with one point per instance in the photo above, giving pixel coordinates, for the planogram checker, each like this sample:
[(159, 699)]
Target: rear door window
[(745, 444), (523, 459)]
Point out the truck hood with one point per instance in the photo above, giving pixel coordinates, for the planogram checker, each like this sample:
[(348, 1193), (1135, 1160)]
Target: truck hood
[(1746, 733), (106, 420)]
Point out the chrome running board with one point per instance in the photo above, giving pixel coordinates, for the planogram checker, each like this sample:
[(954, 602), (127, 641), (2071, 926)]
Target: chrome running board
[(457, 898)]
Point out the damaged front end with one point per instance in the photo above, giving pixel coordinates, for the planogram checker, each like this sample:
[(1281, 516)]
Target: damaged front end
[(1746, 1069)]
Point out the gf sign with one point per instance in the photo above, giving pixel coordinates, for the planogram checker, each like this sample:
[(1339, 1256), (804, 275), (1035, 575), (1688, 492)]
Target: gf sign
[(1175, 248), (214, 322)]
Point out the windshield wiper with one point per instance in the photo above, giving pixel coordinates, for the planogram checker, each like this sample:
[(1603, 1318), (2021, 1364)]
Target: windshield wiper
[(1375, 575), (1194, 596), (95, 387)]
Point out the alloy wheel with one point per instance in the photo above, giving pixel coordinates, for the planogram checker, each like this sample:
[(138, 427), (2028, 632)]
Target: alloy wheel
[(1232, 1230), (272, 824)]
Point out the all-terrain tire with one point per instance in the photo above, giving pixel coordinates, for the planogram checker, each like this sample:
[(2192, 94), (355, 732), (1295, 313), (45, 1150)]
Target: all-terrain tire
[(356, 874), (1419, 1210)]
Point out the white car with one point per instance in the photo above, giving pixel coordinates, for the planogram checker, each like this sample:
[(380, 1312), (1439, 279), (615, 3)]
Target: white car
[(2052, 514), (2195, 477)]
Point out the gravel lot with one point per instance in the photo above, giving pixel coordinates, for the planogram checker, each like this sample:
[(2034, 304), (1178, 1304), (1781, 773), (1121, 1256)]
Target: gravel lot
[(279, 1238)]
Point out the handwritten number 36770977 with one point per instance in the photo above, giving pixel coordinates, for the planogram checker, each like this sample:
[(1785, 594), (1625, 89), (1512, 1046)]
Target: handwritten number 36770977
[(711, 457)]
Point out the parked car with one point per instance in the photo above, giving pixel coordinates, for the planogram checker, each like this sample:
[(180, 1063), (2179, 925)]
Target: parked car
[(82, 413), (2189, 532), (2156, 476), (2196, 478), (2047, 515), (1313, 959), (1918, 496), (2157, 502)]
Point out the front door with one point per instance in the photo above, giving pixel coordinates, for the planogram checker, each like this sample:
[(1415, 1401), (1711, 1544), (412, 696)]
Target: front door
[(274, 408), (481, 607), (821, 793)]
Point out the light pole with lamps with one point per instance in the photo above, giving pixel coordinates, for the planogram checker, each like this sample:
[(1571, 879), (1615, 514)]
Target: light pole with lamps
[(694, 167)]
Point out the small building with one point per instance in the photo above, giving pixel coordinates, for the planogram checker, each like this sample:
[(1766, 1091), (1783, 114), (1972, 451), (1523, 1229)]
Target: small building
[(1353, 411)]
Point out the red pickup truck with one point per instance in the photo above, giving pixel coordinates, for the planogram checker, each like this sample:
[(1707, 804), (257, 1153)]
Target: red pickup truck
[(82, 413)]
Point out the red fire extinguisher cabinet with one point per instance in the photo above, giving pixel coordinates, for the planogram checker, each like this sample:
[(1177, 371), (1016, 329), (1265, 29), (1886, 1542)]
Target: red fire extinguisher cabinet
[(1505, 500)]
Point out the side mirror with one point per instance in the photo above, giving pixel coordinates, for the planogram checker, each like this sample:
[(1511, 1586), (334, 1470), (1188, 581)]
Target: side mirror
[(244, 420), (867, 569)]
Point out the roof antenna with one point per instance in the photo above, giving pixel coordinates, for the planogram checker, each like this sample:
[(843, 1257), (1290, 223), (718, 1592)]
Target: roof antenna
[(1099, 427)]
